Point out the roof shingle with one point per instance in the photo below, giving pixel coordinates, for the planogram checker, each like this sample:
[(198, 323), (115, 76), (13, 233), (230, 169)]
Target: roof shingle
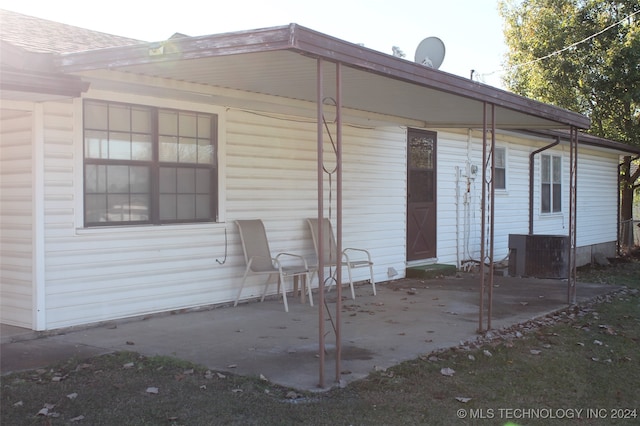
[(44, 36)]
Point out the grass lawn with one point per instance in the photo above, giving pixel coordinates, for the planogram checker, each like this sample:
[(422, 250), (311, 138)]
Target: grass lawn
[(580, 366)]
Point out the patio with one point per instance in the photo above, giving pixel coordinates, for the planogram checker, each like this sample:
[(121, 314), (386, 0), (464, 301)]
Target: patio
[(407, 318)]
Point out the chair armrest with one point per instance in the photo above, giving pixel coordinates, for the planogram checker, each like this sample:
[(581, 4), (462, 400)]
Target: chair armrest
[(254, 259), (345, 254), (291, 255)]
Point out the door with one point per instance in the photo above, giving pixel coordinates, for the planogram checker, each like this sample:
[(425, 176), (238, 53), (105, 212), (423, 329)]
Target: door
[(421, 194)]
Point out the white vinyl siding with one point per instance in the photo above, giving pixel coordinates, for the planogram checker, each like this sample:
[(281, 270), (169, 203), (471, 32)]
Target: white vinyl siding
[(596, 198), (16, 217), (268, 170), (95, 276), (451, 229), (270, 173), (459, 212), (512, 207), (460, 198)]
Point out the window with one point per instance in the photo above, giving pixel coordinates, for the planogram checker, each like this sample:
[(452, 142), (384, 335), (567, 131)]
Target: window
[(146, 165), (550, 178), (500, 175), (421, 160)]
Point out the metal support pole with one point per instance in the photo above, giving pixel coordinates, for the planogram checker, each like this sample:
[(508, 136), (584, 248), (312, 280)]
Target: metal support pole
[(482, 207), (321, 260), (573, 206), (338, 317), (487, 231), (492, 194)]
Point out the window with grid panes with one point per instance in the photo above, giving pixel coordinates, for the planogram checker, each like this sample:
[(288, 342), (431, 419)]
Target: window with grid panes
[(147, 165), (500, 175), (550, 178)]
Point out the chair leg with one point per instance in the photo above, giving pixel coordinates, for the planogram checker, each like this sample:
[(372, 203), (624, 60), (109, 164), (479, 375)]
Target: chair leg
[(264, 290), (284, 292), (373, 283), (244, 278), (353, 293), (307, 283), (299, 287), (313, 273)]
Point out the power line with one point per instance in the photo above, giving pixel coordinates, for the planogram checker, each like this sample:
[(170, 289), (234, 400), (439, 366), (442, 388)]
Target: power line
[(557, 52)]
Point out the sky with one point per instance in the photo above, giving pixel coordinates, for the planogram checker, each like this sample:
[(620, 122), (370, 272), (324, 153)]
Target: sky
[(470, 29)]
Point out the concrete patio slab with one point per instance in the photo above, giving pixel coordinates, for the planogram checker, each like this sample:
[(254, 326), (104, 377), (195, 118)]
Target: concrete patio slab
[(407, 318)]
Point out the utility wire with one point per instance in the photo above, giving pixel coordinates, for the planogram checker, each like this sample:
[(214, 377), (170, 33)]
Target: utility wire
[(557, 52)]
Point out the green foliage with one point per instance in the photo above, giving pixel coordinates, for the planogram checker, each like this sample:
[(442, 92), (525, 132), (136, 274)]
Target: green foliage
[(554, 57)]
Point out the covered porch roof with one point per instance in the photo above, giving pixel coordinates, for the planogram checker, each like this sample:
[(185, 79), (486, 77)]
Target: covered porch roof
[(282, 62), (287, 63)]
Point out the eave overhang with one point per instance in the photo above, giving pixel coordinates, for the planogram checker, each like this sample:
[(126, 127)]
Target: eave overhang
[(282, 62), (32, 76), (23, 85), (585, 139)]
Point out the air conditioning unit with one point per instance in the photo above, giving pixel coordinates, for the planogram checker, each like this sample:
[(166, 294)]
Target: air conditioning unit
[(539, 256)]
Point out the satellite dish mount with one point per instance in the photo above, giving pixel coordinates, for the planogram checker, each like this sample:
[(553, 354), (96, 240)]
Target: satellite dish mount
[(430, 52)]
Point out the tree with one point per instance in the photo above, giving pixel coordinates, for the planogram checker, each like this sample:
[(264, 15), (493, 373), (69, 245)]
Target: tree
[(582, 55)]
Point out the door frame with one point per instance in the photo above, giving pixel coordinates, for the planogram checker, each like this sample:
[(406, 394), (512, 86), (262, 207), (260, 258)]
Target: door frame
[(431, 243)]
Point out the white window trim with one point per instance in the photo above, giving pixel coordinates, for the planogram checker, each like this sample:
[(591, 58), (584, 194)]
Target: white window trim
[(504, 190), (551, 213), (78, 177)]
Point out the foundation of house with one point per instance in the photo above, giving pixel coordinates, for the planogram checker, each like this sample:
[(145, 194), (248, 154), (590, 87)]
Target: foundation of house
[(433, 270)]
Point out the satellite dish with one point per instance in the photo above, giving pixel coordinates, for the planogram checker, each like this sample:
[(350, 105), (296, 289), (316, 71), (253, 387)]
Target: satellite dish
[(430, 52)]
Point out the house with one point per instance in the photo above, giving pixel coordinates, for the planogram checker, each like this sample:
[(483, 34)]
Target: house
[(126, 163)]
